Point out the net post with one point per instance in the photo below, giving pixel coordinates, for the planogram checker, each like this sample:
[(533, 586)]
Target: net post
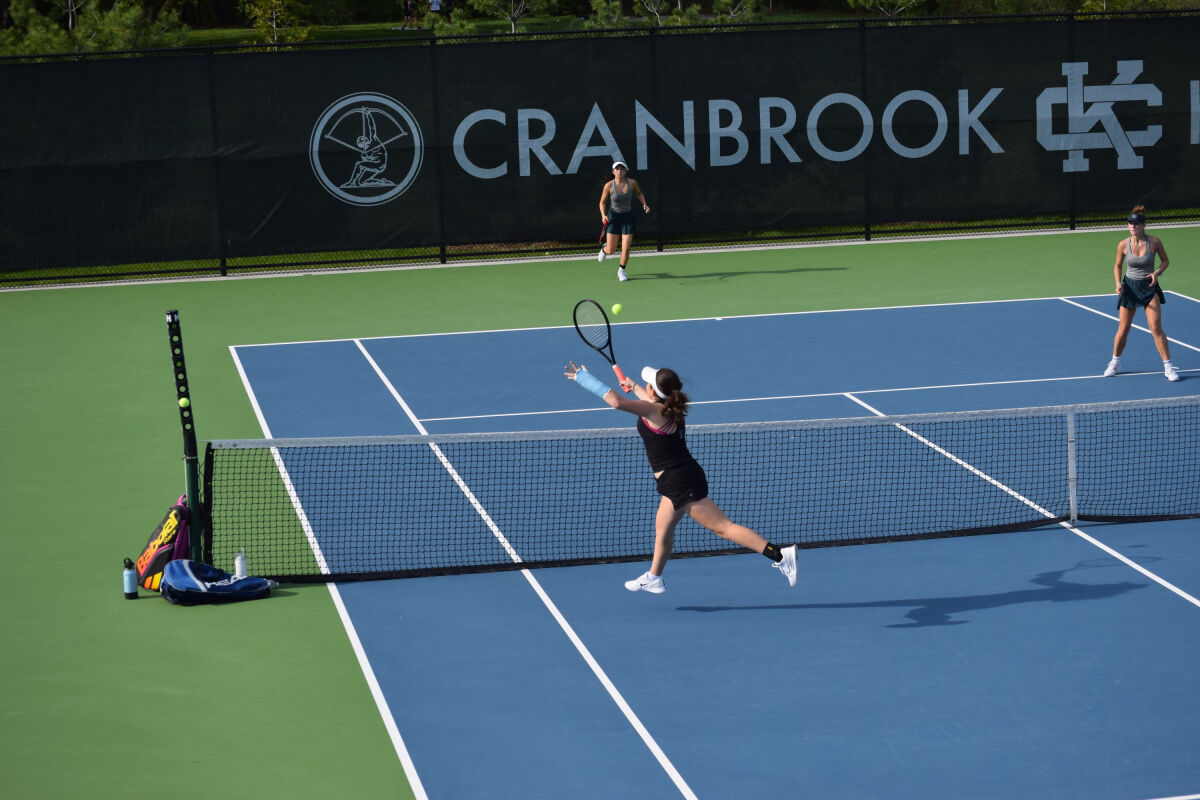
[(206, 505), (1072, 467), (191, 462)]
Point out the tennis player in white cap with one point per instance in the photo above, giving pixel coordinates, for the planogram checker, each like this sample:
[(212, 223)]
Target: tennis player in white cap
[(616, 213), (660, 408)]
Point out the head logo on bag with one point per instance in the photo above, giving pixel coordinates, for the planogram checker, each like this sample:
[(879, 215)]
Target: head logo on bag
[(169, 541)]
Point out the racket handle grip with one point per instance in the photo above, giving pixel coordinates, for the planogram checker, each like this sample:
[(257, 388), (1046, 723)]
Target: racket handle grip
[(620, 376)]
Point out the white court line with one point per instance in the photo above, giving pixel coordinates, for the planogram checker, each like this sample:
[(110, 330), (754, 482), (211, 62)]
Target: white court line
[(586, 654), (381, 703), (688, 319), (822, 311), (389, 722), (305, 525), (754, 316), (811, 396), (1135, 327), (1090, 540), (814, 395)]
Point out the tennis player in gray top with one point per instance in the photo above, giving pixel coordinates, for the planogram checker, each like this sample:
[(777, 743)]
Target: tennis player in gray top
[(1139, 287), (616, 212)]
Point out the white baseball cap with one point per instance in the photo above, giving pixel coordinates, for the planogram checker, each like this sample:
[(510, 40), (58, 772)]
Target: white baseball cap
[(650, 376)]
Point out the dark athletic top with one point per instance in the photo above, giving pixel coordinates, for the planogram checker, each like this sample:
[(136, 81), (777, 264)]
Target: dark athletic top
[(664, 449)]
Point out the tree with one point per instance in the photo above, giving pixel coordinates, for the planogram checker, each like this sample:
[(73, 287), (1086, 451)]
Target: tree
[(680, 15), (605, 14), (88, 28), (730, 10), (278, 21), (889, 8), (512, 11), (72, 8), (722, 11), (126, 27), (32, 33)]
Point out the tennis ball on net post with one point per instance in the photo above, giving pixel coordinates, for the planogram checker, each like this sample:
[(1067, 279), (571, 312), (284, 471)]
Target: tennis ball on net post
[(617, 308), (184, 402)]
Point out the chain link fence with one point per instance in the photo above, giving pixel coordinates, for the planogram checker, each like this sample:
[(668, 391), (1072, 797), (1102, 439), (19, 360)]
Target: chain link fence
[(251, 159)]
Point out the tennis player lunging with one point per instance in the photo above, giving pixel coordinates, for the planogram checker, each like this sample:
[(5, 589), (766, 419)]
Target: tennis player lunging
[(616, 213), (660, 408), (1139, 287)]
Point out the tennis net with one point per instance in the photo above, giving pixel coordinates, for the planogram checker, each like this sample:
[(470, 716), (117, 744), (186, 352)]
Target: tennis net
[(398, 506)]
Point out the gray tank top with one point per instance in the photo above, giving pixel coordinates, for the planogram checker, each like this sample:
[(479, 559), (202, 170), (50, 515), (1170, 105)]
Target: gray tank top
[(621, 202), (1138, 267)]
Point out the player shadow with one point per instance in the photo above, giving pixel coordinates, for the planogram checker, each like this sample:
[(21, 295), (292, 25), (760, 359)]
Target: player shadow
[(720, 276), (930, 611)]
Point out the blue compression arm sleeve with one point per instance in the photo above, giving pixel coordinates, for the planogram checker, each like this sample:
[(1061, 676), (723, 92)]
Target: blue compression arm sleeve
[(590, 382)]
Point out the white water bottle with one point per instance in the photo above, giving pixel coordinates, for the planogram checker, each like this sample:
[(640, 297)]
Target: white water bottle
[(239, 565)]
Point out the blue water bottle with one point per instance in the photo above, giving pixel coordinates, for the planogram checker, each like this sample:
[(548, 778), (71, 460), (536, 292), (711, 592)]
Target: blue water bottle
[(130, 579)]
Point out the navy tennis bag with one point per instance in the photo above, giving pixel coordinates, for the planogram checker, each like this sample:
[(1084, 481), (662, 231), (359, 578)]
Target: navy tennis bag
[(190, 583)]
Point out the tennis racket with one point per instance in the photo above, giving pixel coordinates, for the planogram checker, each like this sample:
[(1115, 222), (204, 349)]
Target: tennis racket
[(603, 233), (592, 324)]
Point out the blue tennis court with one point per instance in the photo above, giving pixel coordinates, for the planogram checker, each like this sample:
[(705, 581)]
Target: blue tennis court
[(1047, 663)]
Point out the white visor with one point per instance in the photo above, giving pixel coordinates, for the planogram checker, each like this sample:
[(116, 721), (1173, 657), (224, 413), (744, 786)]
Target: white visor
[(650, 376), (620, 164)]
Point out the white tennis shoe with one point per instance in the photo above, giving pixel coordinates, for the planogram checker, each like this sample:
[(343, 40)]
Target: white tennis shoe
[(788, 565), (602, 255), (621, 276), (1112, 368), (647, 583), (1170, 371)]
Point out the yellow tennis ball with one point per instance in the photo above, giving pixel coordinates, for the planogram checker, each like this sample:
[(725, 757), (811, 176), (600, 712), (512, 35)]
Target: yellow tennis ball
[(617, 308), (184, 402)]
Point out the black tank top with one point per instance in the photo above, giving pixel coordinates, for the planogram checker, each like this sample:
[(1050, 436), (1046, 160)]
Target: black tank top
[(665, 450)]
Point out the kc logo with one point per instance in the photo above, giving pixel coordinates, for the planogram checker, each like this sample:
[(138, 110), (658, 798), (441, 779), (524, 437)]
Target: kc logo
[(1089, 106)]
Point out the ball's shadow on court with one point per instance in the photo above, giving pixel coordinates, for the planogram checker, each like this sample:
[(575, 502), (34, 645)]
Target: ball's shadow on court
[(930, 611)]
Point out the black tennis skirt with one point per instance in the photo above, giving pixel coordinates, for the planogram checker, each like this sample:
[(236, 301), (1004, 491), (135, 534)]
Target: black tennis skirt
[(621, 223), (1139, 293), (683, 484)]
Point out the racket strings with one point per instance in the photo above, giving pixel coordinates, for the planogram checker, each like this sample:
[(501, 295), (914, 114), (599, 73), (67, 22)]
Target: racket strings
[(592, 325), (595, 335)]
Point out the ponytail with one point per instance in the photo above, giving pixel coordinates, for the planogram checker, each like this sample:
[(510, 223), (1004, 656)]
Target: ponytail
[(675, 405)]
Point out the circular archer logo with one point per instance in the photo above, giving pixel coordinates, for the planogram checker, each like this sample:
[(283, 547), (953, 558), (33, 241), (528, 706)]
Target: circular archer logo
[(366, 149)]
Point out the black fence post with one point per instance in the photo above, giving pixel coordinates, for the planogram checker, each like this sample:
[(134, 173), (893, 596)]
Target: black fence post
[(436, 142), (866, 161), (218, 223), (658, 229), (1072, 182)]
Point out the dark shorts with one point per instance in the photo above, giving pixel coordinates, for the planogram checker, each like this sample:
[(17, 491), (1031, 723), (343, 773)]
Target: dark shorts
[(683, 484), (1139, 293), (621, 223)]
